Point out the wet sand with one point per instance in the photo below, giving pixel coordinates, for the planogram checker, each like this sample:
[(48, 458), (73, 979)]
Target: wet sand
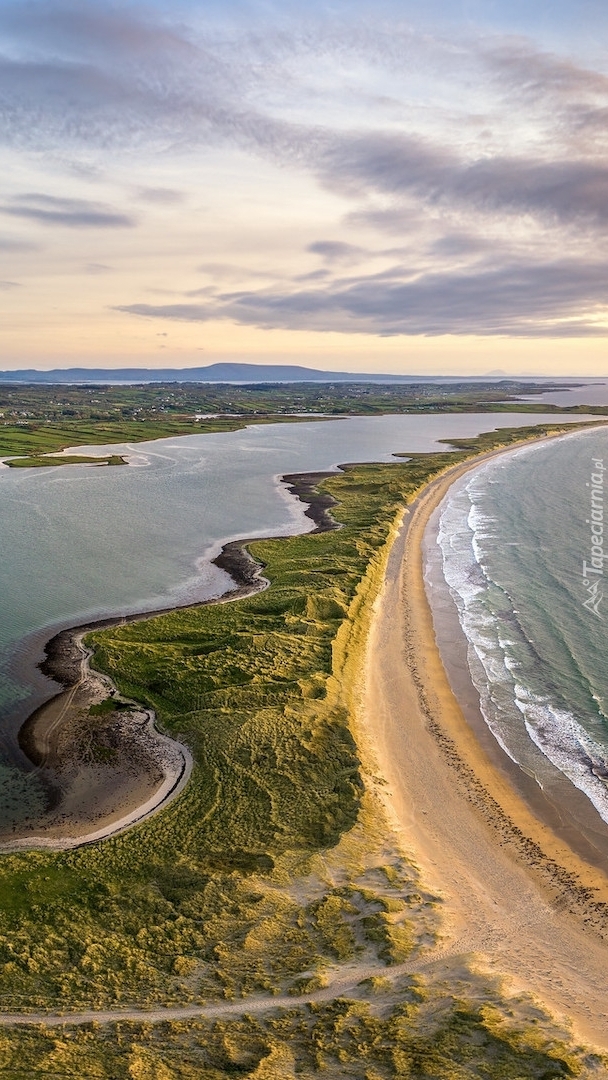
[(520, 900), (103, 771)]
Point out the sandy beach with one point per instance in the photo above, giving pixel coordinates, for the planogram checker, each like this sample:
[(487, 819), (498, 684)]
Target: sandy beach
[(519, 899)]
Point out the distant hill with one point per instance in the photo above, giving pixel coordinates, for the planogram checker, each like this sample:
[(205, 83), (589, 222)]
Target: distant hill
[(216, 373)]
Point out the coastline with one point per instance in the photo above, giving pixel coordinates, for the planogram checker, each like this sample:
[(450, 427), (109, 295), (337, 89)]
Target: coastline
[(518, 896), (571, 816), (163, 763)]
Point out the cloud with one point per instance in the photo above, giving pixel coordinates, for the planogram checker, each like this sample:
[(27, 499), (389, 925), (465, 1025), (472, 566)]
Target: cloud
[(228, 272), (404, 166), (161, 196), (336, 251), (109, 77), (74, 213), (541, 76), (9, 243), (559, 299), (497, 149), (104, 76), (460, 244), (569, 99), (97, 268), (5, 286), (314, 275)]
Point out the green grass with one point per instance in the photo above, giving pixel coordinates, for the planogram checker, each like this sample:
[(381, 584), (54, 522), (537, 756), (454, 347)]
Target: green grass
[(197, 901), (44, 437), (35, 462)]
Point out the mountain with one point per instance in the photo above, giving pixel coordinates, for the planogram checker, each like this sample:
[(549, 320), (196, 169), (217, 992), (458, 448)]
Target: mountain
[(216, 373)]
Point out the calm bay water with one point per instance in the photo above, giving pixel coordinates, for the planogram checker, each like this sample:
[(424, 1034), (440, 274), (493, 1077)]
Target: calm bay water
[(512, 541), (81, 543)]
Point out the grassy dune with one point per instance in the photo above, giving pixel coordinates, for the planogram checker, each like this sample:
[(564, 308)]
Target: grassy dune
[(348, 1039), (273, 868)]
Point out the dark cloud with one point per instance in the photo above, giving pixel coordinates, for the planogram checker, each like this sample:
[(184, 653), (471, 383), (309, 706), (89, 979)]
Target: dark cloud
[(314, 275), (74, 213), (406, 166), (559, 299), (5, 286), (335, 251)]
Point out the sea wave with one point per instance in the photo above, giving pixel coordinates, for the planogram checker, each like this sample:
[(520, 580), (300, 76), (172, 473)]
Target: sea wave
[(503, 662), (567, 745)]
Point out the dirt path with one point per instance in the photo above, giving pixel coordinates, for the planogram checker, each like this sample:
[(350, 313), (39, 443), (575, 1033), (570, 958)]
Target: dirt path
[(342, 981)]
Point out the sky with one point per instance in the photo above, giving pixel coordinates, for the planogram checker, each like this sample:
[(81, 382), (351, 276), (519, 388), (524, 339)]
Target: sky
[(356, 185)]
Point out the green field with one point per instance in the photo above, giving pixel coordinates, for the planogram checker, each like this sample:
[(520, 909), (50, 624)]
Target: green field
[(39, 419), (273, 869), (34, 462), (46, 437)]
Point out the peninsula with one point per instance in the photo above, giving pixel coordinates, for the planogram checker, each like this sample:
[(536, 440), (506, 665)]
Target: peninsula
[(302, 868)]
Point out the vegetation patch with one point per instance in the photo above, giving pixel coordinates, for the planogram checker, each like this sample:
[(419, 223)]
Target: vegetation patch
[(346, 1039), (36, 461)]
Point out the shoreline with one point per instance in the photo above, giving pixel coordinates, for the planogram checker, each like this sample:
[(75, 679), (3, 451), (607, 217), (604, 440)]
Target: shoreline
[(66, 663), (572, 816), (517, 896)]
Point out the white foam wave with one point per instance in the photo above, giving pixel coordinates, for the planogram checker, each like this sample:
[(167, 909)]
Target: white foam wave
[(566, 744), (519, 719)]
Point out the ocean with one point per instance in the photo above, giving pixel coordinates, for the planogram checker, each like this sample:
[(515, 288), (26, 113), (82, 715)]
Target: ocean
[(519, 543)]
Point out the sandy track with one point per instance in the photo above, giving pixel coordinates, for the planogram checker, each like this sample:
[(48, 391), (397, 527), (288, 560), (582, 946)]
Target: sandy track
[(342, 982), (470, 833)]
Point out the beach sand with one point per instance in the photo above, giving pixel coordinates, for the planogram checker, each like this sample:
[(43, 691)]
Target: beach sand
[(519, 900)]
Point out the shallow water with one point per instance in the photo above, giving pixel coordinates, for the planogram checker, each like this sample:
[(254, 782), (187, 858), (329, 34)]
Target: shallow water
[(513, 539), (79, 543)]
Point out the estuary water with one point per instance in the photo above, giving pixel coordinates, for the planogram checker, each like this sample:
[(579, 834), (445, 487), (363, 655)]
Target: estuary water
[(520, 545), (81, 543)]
